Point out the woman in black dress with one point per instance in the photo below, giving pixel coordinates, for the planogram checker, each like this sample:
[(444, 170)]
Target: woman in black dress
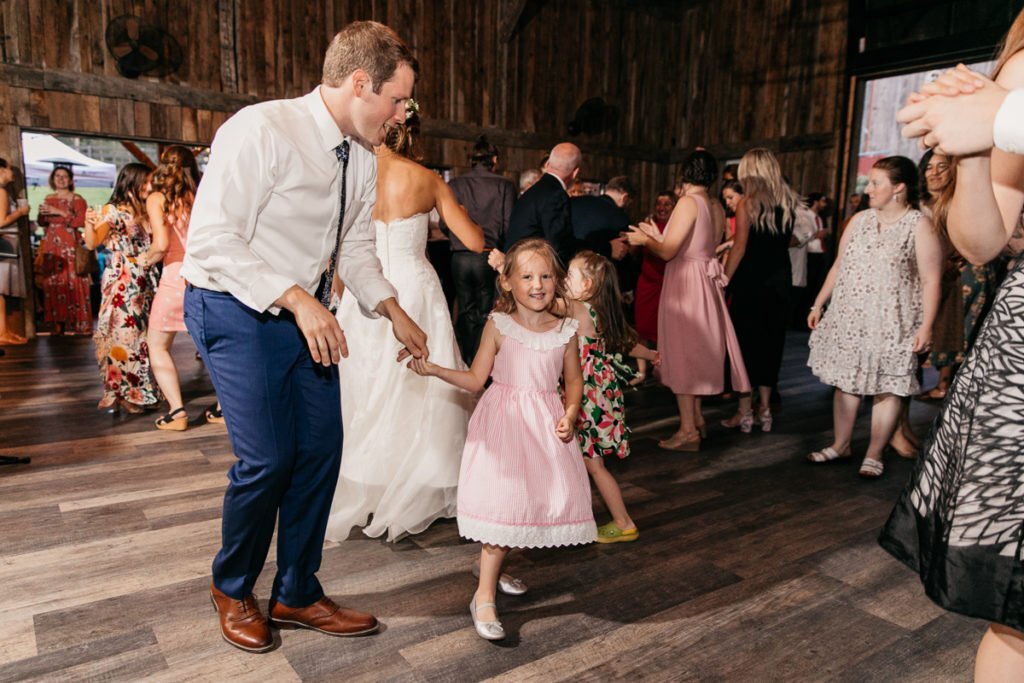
[(960, 521), (760, 278)]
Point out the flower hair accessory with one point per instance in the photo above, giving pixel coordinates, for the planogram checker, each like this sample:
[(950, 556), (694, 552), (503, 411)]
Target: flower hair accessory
[(412, 107)]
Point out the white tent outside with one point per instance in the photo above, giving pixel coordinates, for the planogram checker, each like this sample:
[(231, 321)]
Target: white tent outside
[(43, 151)]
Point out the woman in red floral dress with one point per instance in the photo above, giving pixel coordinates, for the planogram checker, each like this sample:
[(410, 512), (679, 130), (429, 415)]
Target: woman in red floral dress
[(66, 305)]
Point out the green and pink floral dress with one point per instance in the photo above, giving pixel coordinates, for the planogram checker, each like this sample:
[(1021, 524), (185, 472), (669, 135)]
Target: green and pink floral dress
[(601, 425)]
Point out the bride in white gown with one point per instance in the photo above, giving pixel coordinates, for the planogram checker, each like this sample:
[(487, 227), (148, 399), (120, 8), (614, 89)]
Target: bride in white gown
[(403, 434)]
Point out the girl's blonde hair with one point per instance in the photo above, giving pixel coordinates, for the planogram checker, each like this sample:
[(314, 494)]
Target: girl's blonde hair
[(606, 300), (506, 303), (764, 190)]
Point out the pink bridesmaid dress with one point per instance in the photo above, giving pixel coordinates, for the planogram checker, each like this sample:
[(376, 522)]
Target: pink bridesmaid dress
[(695, 333)]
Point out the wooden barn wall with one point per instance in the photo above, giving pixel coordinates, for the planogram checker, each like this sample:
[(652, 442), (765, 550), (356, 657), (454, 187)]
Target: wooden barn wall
[(724, 75)]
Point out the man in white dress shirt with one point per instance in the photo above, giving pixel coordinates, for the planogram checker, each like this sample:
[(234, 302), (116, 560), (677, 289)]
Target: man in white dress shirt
[(284, 203)]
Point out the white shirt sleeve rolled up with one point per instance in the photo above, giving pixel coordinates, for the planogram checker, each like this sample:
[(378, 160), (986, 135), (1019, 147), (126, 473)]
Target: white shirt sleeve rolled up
[(267, 210), (236, 187), (1008, 131)]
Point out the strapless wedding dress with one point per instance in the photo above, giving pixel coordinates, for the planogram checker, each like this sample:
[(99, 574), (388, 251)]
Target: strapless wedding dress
[(403, 434)]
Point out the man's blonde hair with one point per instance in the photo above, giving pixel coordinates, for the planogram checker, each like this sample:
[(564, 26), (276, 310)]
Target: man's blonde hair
[(370, 46)]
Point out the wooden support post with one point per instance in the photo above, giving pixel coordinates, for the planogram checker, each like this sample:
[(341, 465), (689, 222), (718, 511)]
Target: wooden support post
[(139, 155), (228, 54)]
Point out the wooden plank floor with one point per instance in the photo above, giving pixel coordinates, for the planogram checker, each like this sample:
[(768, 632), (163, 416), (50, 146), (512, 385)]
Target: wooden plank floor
[(752, 565)]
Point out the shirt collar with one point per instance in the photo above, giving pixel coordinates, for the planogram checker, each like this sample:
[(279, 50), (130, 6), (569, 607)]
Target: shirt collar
[(325, 125), (560, 181)]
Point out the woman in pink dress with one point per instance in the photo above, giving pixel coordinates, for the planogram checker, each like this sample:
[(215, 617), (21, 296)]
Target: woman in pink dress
[(695, 334), (169, 206), (66, 304)]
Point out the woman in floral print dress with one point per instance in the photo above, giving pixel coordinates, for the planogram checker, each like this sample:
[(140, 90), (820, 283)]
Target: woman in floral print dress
[(127, 294), (603, 336), (66, 302)]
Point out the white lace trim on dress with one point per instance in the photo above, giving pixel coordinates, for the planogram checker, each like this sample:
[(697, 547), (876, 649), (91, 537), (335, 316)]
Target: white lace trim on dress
[(509, 536), (538, 341)]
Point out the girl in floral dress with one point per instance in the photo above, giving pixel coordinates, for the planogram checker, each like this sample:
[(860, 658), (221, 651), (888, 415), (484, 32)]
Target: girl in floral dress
[(604, 335), (127, 294)]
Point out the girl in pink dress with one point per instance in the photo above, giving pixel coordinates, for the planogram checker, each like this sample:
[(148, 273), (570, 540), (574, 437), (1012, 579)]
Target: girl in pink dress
[(522, 482), (695, 334)]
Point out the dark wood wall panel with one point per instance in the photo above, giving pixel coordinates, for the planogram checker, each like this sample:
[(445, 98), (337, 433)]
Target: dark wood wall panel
[(724, 75)]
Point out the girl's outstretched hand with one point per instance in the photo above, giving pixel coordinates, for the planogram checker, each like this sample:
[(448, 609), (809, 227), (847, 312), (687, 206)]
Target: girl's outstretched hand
[(423, 367), (564, 429)]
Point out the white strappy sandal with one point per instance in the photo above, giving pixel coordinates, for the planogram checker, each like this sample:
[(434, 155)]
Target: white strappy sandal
[(827, 454), (871, 468)]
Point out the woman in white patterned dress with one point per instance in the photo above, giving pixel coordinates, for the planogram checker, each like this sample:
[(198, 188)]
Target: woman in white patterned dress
[(883, 291)]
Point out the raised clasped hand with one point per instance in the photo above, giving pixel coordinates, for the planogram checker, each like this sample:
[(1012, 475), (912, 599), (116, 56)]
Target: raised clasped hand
[(496, 259), (955, 114)]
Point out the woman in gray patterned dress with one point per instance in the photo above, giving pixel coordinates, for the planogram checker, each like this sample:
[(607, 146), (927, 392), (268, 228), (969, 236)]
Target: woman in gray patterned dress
[(884, 291), (960, 521)]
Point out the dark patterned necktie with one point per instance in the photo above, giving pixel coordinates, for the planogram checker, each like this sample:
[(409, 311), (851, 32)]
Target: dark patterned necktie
[(325, 288)]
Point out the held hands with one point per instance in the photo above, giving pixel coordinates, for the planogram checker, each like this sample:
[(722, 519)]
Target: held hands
[(409, 335), (955, 115), (565, 428), (423, 367)]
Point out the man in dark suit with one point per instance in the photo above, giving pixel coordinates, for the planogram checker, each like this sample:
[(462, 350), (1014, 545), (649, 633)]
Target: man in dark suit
[(598, 222), (543, 210), (488, 199)]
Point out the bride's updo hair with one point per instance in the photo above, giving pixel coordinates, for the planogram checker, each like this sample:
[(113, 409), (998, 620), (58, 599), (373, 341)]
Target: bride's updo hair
[(403, 138), (506, 303)]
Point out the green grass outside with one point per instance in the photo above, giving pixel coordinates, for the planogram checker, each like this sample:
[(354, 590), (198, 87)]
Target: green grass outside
[(92, 196)]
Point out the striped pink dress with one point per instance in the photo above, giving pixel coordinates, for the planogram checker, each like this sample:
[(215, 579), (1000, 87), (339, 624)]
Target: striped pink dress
[(519, 485)]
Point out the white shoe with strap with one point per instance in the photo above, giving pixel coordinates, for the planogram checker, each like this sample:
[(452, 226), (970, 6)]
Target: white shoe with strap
[(488, 630)]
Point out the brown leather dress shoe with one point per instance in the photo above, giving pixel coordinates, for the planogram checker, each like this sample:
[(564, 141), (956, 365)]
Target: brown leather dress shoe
[(324, 616), (241, 622)]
